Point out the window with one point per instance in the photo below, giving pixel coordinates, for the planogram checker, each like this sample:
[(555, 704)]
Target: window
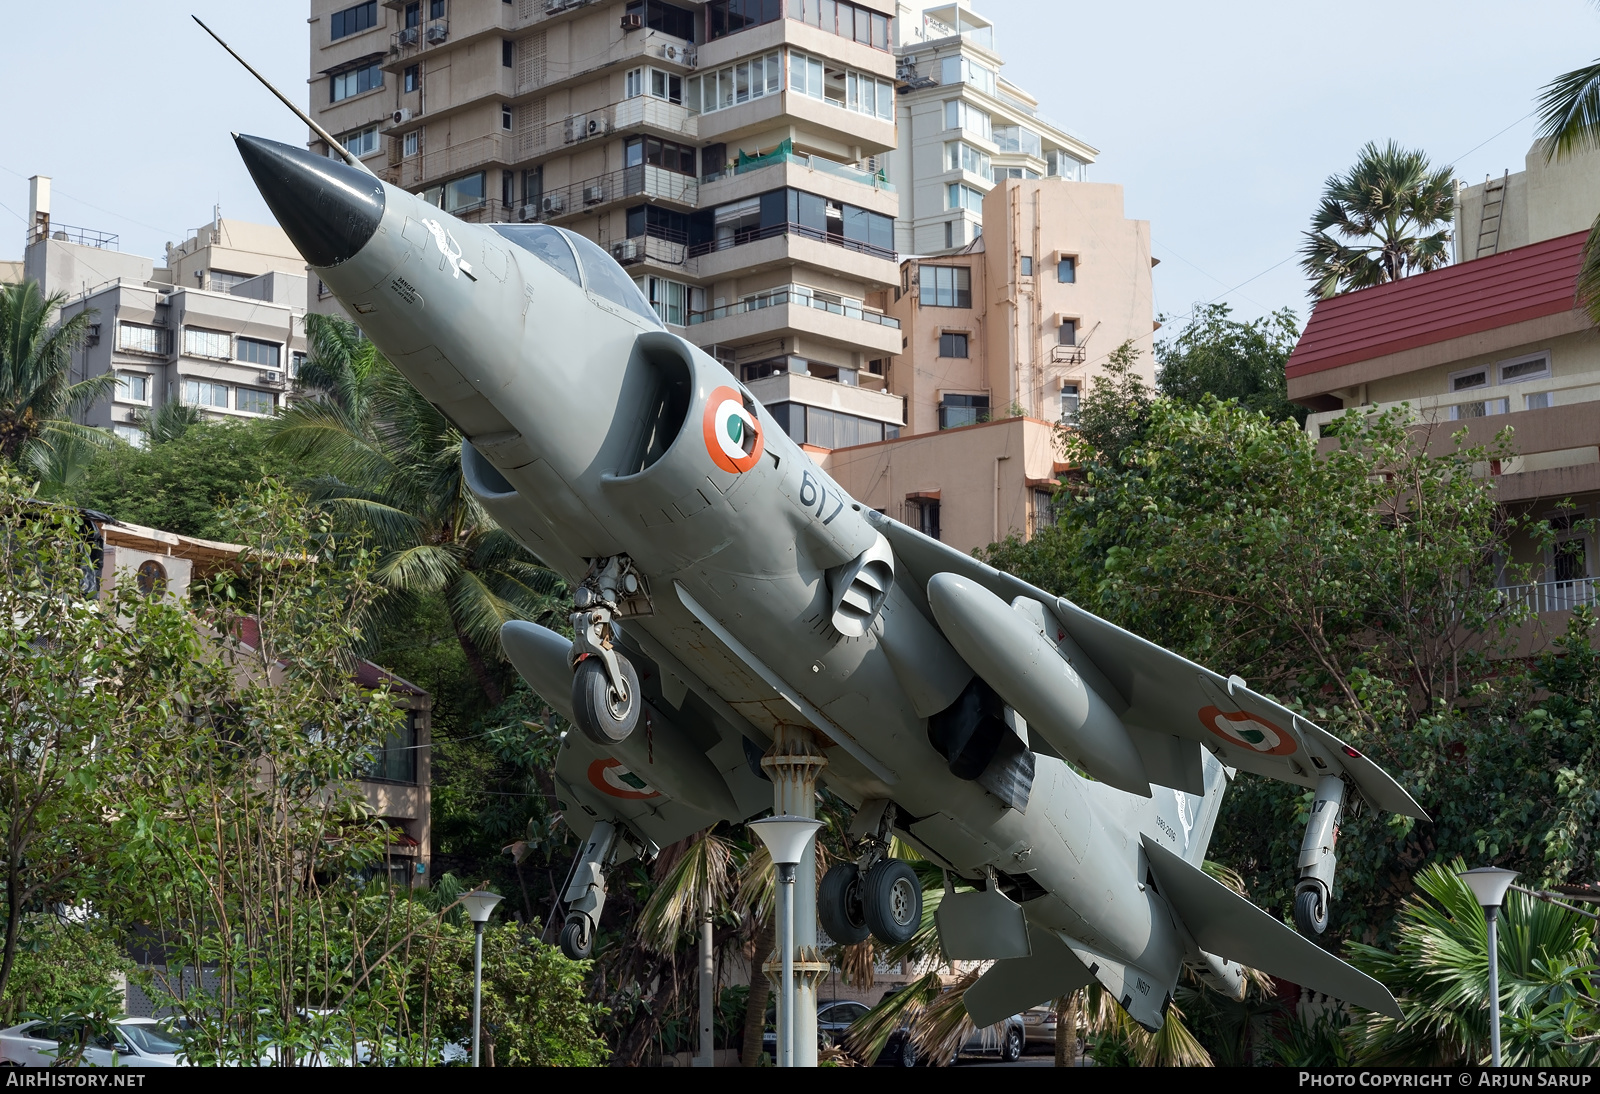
[(505, 117), (737, 83), (666, 85), (132, 434), (508, 53), (633, 84), (464, 193), (1069, 404), (1536, 367), (435, 9), (353, 20), (858, 91), (207, 343), (667, 18), (962, 196), (960, 156), (413, 77), (1016, 138), (959, 410), (962, 70), (204, 393), (363, 142), (1003, 173), (413, 15), (1060, 164), (355, 81), (256, 352), (1066, 269), (1539, 400), (1483, 409), (1067, 333), (252, 401), (658, 153), (1025, 266), (297, 361), (138, 338), (1569, 553), (411, 143), (725, 17), (923, 515), (659, 223), (133, 387), (675, 302), (1471, 378), (952, 345), (946, 286), (395, 760), (844, 19), (508, 187), (532, 186), (967, 118)]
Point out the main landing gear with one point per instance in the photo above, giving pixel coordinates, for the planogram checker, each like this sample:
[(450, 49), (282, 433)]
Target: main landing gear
[(875, 895)]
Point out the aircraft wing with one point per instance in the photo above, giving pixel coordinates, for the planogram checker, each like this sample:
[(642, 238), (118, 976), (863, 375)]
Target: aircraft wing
[(1163, 698)]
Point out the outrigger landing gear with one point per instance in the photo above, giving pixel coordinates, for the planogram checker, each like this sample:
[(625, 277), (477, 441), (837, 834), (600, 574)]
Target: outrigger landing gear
[(1314, 891), (585, 895), (876, 894), (605, 685)]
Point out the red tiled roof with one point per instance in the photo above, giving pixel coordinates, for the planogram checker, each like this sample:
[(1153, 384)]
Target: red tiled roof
[(1520, 284)]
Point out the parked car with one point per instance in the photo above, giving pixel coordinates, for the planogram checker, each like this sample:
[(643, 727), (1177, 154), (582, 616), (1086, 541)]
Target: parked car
[(1006, 1039), (834, 1018), (1039, 1026), (140, 1042)]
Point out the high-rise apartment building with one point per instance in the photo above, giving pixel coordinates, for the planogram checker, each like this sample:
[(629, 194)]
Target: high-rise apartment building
[(963, 128), (217, 328), (729, 154)]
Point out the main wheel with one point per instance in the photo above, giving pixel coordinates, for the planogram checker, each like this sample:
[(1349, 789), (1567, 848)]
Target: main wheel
[(577, 939), (1310, 911), (1011, 1048), (605, 715), (839, 905), (891, 901), (907, 1054)]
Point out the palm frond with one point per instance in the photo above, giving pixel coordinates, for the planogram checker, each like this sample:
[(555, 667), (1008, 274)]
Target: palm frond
[(944, 1024), (1569, 112), (869, 1033), (420, 569), (706, 868)]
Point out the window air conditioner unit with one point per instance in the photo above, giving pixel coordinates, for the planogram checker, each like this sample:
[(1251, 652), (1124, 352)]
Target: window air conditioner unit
[(133, 415), (594, 195), (269, 377), (671, 53), (554, 203), (529, 211), (632, 22), (598, 126), (576, 128), (409, 36), (438, 33), (401, 116), (625, 250)]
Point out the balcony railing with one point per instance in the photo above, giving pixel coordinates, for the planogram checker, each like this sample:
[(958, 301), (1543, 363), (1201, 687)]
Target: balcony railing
[(954, 417), (798, 295), (627, 182), (1067, 355), (1553, 596), (446, 163), (650, 248), (751, 235), (84, 237), (876, 179)]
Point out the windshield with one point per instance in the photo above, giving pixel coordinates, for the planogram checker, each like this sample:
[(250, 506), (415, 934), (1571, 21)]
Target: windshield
[(603, 277), (550, 244), (152, 1039)]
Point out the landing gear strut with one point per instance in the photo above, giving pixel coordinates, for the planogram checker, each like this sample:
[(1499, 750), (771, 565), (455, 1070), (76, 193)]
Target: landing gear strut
[(585, 894), (605, 685), (876, 894), (1314, 891)]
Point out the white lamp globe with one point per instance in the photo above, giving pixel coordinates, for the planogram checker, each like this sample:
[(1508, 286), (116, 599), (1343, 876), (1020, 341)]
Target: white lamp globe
[(479, 903), (786, 836), (1489, 884)]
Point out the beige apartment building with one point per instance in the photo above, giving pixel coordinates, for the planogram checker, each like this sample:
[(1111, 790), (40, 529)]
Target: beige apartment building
[(1495, 341), (963, 127), (1001, 340), (218, 327), (727, 153)]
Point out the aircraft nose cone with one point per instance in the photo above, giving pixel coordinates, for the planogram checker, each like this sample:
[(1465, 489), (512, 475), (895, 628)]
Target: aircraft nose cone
[(328, 208)]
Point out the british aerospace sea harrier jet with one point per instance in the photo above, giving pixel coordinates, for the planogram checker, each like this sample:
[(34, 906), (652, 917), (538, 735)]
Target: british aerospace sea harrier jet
[(726, 587)]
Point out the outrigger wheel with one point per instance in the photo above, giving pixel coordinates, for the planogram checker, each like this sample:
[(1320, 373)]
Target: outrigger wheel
[(839, 905), (577, 937), (605, 714), (1311, 909)]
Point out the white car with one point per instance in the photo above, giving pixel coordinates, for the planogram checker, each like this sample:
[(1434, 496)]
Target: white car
[(140, 1042)]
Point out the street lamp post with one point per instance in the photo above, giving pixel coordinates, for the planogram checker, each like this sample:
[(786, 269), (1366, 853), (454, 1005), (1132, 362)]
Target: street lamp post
[(786, 838), (1489, 885), (479, 904)]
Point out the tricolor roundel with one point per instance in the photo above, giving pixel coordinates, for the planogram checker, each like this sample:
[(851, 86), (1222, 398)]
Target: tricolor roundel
[(609, 777), (1239, 728), (733, 436)]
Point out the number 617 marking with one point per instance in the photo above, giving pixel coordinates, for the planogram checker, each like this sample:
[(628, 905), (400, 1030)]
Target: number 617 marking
[(813, 491)]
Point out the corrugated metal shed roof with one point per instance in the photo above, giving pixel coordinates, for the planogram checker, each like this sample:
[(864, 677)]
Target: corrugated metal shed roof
[(1520, 284)]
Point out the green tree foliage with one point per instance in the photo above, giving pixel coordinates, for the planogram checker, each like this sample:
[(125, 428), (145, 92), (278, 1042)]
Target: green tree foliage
[(1388, 218), (56, 963), (37, 394), (181, 484), (1113, 414), (1569, 121), (1221, 356)]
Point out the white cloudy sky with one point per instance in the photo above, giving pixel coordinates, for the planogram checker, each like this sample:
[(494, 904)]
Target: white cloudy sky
[(1220, 119)]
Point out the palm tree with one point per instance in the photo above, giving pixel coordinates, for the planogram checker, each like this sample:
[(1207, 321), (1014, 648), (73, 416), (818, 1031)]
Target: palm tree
[(1569, 121), (37, 394), (1387, 219), (395, 465), (1440, 973)]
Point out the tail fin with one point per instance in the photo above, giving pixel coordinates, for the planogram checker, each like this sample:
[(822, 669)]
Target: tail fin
[(1206, 808), (1228, 925)]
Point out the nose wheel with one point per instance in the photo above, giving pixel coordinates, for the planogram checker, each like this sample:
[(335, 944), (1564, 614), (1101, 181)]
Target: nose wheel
[(606, 712)]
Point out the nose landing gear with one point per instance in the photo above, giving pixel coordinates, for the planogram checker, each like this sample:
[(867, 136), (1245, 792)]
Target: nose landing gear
[(605, 686)]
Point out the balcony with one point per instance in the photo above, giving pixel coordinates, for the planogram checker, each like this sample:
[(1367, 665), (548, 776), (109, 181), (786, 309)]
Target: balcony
[(1554, 596), (800, 296), (797, 309), (596, 193), (653, 248), (875, 179), (446, 163), (738, 239)]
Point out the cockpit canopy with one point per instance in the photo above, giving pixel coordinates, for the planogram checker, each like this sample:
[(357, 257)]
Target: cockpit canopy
[(569, 253)]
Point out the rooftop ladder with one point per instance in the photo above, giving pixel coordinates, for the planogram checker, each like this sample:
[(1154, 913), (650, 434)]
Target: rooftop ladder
[(1494, 204)]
